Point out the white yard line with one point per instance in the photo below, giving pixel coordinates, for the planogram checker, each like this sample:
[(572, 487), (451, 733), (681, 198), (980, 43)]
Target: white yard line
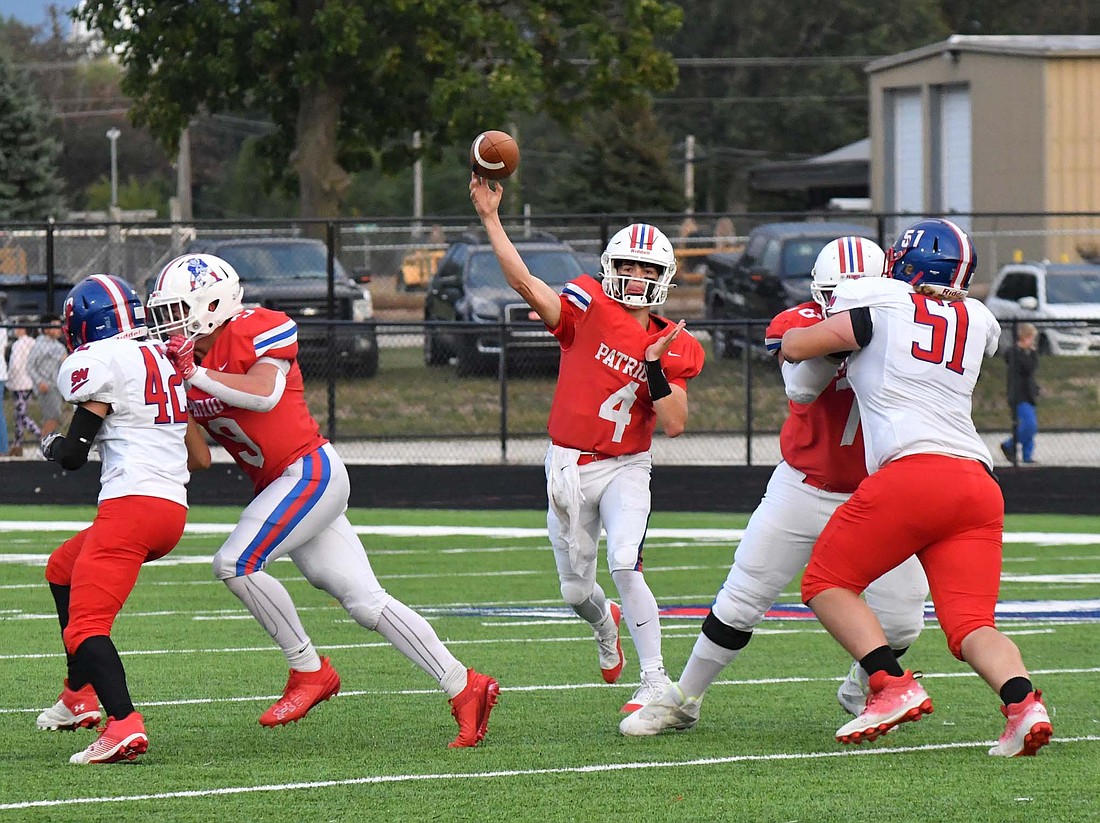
[(594, 768)]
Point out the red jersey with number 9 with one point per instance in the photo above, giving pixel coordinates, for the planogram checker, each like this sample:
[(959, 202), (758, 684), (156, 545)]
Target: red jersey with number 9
[(602, 402), (262, 443), (822, 439)]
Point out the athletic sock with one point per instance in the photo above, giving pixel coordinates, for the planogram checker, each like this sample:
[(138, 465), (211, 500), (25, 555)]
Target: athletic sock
[(881, 660), (97, 656), (415, 638), (271, 605)]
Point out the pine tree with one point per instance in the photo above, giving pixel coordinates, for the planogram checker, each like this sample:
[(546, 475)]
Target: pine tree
[(623, 166), (30, 185)]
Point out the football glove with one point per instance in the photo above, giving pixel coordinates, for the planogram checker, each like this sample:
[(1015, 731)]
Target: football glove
[(181, 354), (49, 444)]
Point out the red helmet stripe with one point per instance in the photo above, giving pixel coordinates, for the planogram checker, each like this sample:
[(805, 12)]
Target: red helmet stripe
[(857, 252), (966, 255)]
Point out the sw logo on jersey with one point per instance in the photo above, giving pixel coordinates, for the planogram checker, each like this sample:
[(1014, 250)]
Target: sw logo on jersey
[(201, 274), (79, 378)]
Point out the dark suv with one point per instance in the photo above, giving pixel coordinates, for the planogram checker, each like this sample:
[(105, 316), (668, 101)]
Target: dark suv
[(290, 274), (469, 287), (24, 295), (770, 275)]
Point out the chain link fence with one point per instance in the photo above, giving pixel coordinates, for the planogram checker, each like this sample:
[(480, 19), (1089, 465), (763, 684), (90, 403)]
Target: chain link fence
[(386, 394)]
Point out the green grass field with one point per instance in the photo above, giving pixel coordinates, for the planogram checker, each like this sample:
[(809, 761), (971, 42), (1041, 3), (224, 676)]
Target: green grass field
[(201, 671)]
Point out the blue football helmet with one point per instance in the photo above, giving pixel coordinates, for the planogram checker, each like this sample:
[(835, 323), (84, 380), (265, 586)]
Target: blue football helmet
[(934, 253), (102, 306)]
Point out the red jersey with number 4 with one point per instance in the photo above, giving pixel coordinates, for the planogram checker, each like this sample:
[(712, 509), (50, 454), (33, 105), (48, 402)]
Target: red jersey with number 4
[(602, 402), (822, 439), (262, 443)]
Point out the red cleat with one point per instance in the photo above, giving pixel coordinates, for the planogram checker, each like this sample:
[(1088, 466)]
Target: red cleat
[(890, 702), (119, 740), (471, 708), (73, 710), (303, 691), (611, 649), (1028, 728)]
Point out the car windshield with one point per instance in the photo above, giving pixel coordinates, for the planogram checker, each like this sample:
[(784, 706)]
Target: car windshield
[(799, 256), (553, 266), (1074, 287), (280, 261)]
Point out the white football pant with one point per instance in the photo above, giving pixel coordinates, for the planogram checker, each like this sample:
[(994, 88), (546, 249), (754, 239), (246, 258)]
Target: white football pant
[(776, 546)]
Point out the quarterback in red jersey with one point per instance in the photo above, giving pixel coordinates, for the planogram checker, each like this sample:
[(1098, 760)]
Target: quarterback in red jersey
[(249, 396), (823, 462), (623, 370)]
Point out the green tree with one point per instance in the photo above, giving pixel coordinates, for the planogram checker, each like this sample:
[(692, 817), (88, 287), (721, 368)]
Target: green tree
[(346, 83), (30, 188), (622, 166)]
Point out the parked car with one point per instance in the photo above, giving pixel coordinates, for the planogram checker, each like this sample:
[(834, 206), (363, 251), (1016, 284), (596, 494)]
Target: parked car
[(290, 274), (1061, 299), (770, 275), (25, 295), (469, 287)]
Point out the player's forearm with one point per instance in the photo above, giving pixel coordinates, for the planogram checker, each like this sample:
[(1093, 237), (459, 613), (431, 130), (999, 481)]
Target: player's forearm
[(198, 451), (672, 412), (539, 296), (831, 335), (256, 391), (806, 380)]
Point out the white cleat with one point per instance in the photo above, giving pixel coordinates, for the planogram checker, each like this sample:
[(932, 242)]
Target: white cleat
[(669, 711), (852, 694), (653, 686)]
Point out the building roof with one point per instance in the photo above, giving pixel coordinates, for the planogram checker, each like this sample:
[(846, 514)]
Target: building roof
[(1020, 45), (846, 167)]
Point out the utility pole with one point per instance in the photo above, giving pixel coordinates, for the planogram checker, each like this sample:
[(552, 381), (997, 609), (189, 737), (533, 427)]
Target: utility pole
[(113, 134), (183, 175), (418, 187), (689, 173)]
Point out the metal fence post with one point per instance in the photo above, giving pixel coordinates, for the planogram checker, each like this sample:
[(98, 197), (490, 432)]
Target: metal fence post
[(330, 330), (746, 351), (50, 273), (502, 374)]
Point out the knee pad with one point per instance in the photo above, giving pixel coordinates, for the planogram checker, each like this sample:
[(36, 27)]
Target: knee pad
[(58, 572), (367, 614), (575, 591), (224, 566), (723, 635)]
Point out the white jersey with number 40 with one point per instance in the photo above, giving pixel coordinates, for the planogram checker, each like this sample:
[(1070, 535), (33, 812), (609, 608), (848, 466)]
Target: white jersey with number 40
[(915, 378), (141, 442)]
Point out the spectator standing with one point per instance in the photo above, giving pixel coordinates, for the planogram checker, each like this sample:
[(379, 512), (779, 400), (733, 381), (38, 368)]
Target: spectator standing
[(45, 361), (21, 386), (1023, 393)]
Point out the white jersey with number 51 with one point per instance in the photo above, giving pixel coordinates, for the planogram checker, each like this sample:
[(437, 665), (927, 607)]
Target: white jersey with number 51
[(915, 378)]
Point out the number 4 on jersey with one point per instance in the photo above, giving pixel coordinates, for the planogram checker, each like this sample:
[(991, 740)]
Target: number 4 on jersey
[(169, 407), (616, 409)]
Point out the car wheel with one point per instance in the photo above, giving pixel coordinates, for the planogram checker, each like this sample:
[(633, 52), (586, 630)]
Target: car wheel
[(723, 343), (365, 365), (433, 352), (470, 361)]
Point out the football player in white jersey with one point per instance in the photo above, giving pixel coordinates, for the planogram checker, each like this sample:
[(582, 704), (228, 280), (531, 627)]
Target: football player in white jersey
[(131, 406), (917, 344), (823, 463)]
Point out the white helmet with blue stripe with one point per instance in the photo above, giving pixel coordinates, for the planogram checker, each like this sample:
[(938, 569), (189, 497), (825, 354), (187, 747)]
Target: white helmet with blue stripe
[(193, 295), (644, 244), (842, 259)]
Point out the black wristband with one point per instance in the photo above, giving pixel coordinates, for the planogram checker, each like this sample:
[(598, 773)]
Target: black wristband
[(658, 383)]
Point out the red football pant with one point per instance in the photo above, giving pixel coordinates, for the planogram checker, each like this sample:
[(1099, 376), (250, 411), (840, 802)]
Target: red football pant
[(101, 563), (947, 511)]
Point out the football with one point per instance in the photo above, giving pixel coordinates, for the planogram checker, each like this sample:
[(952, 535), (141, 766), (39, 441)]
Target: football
[(494, 155)]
